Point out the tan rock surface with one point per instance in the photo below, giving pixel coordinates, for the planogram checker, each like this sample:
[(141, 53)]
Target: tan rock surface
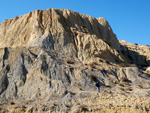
[(50, 60)]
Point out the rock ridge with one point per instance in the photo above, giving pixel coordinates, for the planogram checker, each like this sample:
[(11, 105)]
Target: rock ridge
[(50, 60)]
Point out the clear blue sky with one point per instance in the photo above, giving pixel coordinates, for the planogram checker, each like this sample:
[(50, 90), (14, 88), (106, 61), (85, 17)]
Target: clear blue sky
[(129, 19)]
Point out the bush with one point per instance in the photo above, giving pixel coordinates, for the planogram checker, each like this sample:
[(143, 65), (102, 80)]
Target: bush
[(93, 78), (11, 103), (70, 61)]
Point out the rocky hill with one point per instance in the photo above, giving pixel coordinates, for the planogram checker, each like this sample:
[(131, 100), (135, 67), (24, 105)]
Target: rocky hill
[(51, 59)]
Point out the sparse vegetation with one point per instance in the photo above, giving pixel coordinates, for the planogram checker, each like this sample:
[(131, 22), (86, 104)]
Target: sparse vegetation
[(125, 79), (80, 88), (128, 89), (93, 65), (93, 78), (122, 89), (83, 108), (100, 60), (70, 61), (12, 102)]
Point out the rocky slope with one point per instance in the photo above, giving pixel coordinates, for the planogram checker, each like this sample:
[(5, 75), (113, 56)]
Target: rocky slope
[(50, 60)]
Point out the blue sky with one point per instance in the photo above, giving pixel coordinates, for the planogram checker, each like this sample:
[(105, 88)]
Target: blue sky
[(129, 19)]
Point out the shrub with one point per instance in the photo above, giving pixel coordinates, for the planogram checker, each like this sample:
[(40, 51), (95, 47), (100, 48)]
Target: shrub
[(70, 62), (11, 103), (83, 108), (93, 78)]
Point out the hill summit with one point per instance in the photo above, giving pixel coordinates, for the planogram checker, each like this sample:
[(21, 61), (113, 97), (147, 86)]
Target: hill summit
[(51, 59)]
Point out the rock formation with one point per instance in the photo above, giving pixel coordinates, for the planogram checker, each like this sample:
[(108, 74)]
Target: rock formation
[(50, 60)]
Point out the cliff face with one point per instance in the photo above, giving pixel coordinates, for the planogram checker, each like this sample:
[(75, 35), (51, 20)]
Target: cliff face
[(52, 58)]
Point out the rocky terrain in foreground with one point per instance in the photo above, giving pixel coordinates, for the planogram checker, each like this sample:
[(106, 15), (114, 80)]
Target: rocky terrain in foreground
[(51, 59)]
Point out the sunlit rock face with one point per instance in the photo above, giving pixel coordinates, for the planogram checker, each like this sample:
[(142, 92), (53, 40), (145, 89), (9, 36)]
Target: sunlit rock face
[(51, 59)]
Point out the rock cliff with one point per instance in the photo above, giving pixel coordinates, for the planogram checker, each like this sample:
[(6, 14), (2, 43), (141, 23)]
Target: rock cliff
[(50, 60)]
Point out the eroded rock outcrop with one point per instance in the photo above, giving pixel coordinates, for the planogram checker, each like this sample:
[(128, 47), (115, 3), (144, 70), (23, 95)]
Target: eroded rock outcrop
[(54, 57)]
